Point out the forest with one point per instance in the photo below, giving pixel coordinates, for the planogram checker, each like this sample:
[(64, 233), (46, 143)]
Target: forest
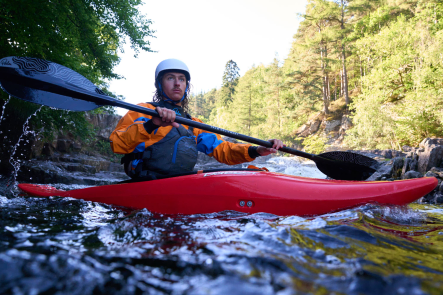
[(379, 62)]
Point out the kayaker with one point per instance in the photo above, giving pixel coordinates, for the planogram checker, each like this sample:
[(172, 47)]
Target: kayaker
[(159, 146)]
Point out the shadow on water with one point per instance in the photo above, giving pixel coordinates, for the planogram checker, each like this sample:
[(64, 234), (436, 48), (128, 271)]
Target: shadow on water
[(78, 247)]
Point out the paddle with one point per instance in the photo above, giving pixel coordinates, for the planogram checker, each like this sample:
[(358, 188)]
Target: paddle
[(50, 84)]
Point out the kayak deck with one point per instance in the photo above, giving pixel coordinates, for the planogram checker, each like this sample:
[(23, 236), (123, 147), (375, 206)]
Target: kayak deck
[(248, 192)]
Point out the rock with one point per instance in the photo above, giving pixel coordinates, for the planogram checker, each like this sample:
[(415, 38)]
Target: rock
[(432, 154), (303, 130), (406, 166), (76, 146), (105, 124), (384, 172), (412, 174), (346, 123), (314, 127), (430, 141), (48, 149), (63, 145), (413, 164), (406, 148), (310, 127), (332, 125), (388, 154), (36, 171), (397, 165), (438, 199), (37, 149), (430, 174), (429, 198), (438, 171)]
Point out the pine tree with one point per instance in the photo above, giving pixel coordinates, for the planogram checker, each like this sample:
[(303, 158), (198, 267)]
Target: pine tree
[(318, 23), (247, 103), (230, 80)]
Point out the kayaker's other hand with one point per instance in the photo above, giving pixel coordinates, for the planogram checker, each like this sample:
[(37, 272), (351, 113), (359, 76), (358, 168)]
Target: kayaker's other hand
[(167, 118), (276, 144)]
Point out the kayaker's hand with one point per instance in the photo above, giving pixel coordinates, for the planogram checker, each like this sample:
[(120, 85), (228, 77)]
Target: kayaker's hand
[(264, 151), (167, 118)]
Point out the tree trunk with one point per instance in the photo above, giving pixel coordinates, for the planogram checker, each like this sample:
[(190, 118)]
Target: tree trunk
[(345, 77), (250, 109), (335, 87), (341, 83), (325, 84), (343, 56)]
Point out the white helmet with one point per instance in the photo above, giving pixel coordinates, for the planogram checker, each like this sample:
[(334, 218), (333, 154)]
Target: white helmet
[(170, 65)]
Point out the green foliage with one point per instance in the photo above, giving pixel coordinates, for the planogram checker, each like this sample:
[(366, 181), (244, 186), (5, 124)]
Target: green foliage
[(388, 51), (314, 144), (82, 35), (230, 80), (401, 95)]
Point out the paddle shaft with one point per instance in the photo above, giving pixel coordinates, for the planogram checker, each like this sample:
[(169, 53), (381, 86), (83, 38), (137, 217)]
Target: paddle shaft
[(79, 93), (213, 129)]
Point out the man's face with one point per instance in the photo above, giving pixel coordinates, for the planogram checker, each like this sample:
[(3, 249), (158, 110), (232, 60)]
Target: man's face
[(174, 85)]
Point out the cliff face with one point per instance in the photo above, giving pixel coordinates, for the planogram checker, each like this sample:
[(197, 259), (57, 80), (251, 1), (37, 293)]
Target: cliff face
[(65, 142), (334, 130), (331, 127), (68, 160)]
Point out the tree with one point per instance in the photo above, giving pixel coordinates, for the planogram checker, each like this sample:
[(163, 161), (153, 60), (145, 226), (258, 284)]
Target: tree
[(230, 80), (342, 21), (318, 22), (274, 89), (84, 35), (247, 103)]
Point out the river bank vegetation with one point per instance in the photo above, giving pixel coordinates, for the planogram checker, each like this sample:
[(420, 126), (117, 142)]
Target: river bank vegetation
[(380, 60), (85, 36)]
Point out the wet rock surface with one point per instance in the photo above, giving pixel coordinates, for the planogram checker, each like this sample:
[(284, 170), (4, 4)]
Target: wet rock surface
[(71, 169), (426, 160), (95, 169)]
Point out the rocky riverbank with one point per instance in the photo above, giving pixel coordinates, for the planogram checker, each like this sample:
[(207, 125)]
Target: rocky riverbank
[(412, 162), (68, 161)]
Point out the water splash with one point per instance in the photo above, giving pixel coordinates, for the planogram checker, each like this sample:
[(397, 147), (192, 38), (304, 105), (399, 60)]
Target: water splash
[(290, 166), (16, 162), (3, 111)]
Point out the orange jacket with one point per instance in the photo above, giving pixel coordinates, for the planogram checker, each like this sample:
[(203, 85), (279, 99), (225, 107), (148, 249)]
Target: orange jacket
[(130, 135)]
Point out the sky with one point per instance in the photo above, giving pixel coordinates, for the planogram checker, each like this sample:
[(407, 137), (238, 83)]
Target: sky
[(206, 35)]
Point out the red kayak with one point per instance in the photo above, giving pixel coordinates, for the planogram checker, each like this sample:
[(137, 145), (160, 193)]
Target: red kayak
[(246, 191)]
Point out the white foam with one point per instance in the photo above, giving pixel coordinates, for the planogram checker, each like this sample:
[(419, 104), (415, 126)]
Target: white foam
[(292, 166)]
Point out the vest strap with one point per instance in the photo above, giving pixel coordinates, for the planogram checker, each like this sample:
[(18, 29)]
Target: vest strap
[(146, 154)]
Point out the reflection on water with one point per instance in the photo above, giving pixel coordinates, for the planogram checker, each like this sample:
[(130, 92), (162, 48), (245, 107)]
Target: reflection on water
[(77, 247)]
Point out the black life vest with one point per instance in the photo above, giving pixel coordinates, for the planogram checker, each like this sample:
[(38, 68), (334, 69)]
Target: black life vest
[(174, 154)]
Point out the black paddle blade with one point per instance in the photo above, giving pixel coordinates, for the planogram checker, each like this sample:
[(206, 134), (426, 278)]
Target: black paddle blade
[(346, 165), (14, 72)]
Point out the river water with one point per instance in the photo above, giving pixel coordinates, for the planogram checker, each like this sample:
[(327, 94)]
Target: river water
[(67, 246)]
